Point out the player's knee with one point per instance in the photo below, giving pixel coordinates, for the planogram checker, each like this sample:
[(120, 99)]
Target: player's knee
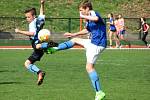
[(89, 67), (110, 36), (26, 64), (74, 40)]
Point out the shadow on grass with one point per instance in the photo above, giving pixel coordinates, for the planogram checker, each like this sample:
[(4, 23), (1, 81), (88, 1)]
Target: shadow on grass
[(3, 83), (3, 71)]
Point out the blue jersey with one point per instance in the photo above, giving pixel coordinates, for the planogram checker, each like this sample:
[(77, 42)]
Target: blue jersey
[(97, 30), (112, 26), (35, 26)]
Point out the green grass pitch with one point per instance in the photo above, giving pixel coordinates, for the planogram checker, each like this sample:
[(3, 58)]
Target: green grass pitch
[(125, 75)]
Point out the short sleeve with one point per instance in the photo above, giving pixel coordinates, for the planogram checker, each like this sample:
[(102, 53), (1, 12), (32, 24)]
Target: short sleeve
[(32, 27), (40, 22), (41, 17), (93, 13)]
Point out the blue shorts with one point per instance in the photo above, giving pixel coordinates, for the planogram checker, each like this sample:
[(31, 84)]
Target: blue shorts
[(112, 28), (122, 32)]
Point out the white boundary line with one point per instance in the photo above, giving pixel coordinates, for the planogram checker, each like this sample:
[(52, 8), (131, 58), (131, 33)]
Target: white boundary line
[(128, 48), (121, 48), (80, 48), (14, 48)]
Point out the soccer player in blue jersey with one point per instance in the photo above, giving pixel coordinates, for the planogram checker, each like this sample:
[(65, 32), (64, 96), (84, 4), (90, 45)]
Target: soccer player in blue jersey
[(112, 30), (35, 25), (94, 46)]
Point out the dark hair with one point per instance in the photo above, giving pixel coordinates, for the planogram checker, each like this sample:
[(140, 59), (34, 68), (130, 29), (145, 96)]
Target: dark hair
[(111, 14), (32, 10), (86, 4), (144, 19)]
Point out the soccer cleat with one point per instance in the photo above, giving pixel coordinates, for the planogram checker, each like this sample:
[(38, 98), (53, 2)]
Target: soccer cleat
[(51, 50), (52, 44), (110, 46), (99, 95), (41, 76), (148, 45)]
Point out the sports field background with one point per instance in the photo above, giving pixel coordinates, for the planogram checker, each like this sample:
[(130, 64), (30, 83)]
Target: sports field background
[(125, 75), (58, 21)]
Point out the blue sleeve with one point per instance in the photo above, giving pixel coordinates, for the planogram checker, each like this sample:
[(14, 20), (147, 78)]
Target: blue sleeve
[(40, 23)]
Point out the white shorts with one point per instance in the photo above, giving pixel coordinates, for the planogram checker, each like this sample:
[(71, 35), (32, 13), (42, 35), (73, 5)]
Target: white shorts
[(92, 51)]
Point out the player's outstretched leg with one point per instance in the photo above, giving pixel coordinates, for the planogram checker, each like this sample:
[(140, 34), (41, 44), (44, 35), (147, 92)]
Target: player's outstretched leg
[(61, 46)]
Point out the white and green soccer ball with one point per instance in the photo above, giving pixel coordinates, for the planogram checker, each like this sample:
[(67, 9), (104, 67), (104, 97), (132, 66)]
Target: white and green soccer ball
[(44, 35)]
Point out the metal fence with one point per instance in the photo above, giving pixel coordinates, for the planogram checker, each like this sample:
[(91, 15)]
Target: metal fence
[(58, 26)]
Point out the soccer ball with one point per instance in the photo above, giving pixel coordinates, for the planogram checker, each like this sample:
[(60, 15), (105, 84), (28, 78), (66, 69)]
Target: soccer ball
[(44, 35)]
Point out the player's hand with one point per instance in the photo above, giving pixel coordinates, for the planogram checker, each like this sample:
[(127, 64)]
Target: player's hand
[(17, 30), (139, 29), (81, 15), (42, 1)]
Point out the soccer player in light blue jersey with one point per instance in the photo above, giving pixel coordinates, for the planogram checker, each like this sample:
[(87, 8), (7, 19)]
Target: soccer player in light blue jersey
[(35, 25), (94, 46)]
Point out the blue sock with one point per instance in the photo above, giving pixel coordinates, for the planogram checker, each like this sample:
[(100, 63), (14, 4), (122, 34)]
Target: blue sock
[(95, 80), (33, 68), (44, 45), (65, 45)]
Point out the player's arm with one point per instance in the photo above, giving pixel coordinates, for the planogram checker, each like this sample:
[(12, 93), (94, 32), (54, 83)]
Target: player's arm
[(108, 22), (42, 7), (92, 18), (140, 29), (24, 32), (82, 32)]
